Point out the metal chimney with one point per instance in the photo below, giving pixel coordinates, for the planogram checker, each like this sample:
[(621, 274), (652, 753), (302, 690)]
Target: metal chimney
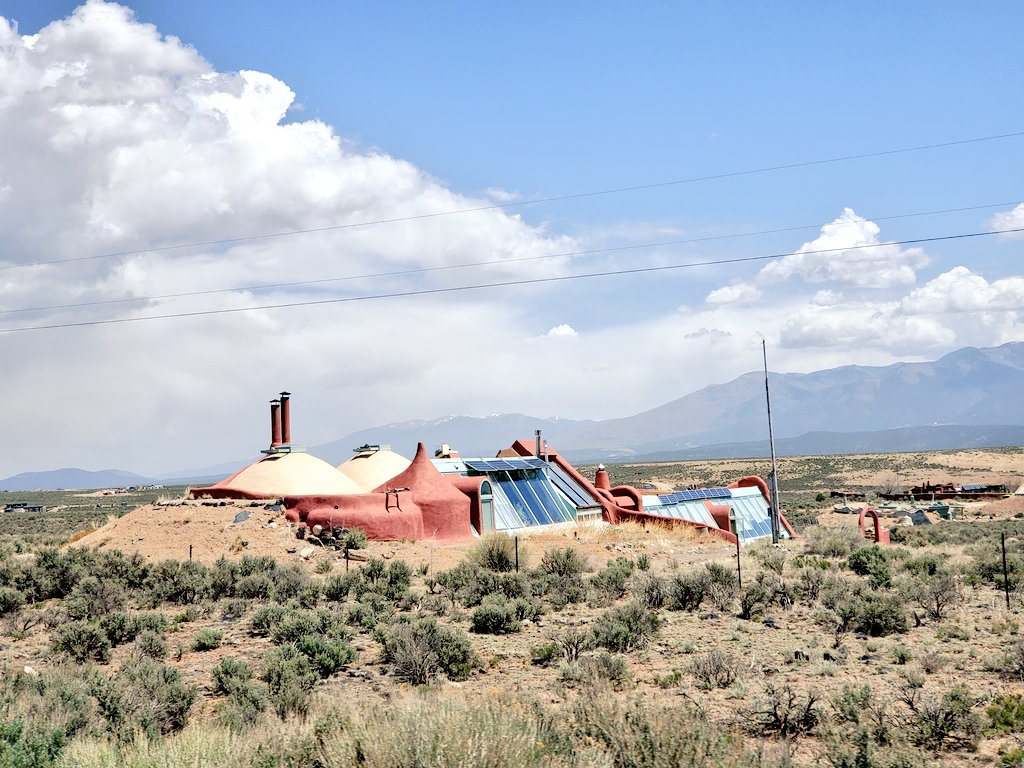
[(286, 419), (275, 423), (540, 445)]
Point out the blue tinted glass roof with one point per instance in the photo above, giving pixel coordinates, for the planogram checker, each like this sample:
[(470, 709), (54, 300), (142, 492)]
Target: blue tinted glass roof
[(576, 493)]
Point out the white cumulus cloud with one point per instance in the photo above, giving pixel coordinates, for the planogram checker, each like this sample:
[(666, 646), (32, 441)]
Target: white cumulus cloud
[(741, 293), (848, 252), (1013, 219), (563, 329)]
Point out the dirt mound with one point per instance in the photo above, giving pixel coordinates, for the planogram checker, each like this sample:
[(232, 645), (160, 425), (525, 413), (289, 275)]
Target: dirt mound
[(213, 528), (209, 530)]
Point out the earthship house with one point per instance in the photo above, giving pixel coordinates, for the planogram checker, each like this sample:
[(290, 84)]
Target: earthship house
[(526, 487)]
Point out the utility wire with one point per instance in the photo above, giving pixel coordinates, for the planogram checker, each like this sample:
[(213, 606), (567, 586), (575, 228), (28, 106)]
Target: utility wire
[(492, 262), (536, 201), (503, 284)]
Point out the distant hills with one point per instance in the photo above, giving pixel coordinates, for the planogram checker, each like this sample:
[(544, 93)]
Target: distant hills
[(72, 479), (968, 398)]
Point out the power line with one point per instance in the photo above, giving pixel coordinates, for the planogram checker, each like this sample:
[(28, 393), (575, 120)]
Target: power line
[(502, 284), (492, 262), (521, 203)]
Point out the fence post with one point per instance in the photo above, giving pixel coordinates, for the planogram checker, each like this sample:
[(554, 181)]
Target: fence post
[(1006, 572), (739, 568)]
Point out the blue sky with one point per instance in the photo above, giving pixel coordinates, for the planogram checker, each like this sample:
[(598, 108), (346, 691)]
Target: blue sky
[(403, 109)]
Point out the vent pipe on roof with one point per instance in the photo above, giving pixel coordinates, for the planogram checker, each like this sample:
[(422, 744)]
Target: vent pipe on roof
[(275, 423), (286, 419), (540, 446)]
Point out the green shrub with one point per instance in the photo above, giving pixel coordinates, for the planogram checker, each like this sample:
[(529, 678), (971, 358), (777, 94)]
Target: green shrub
[(91, 598), (937, 593), (290, 679), (289, 582), (145, 696), (871, 561), (754, 600), (830, 542), (229, 674), (422, 649), (293, 625), (564, 563), (496, 552), (942, 723), (588, 670), (11, 600), (207, 640), (354, 538), (83, 641), (326, 655), (686, 591), (770, 557), (28, 749), (574, 643), (255, 586), (495, 617), (545, 654), (927, 564), (652, 591), (610, 583), (151, 644), (337, 588), (223, 578), (234, 609), (391, 580), (1006, 714), (880, 615), (250, 564), (177, 582), (153, 621), (265, 618), (625, 628), (851, 703), (120, 628), (714, 669)]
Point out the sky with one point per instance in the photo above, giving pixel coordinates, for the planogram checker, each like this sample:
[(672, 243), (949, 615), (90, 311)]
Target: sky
[(405, 210)]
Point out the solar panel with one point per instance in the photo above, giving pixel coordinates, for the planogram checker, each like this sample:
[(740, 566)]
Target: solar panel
[(504, 465), (700, 493)]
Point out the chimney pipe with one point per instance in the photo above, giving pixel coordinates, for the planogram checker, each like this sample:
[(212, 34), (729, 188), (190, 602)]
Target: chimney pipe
[(536, 433), (275, 423), (286, 419)]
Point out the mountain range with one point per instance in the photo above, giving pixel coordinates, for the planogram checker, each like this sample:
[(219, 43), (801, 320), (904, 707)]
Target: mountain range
[(968, 398)]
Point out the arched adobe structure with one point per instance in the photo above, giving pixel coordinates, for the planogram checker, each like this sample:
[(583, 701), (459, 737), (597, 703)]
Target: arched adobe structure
[(446, 509), (470, 486), (753, 481), (880, 535), (289, 473), (383, 517)]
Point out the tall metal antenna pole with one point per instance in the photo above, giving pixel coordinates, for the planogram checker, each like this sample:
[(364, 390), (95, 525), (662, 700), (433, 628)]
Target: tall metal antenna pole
[(774, 485)]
